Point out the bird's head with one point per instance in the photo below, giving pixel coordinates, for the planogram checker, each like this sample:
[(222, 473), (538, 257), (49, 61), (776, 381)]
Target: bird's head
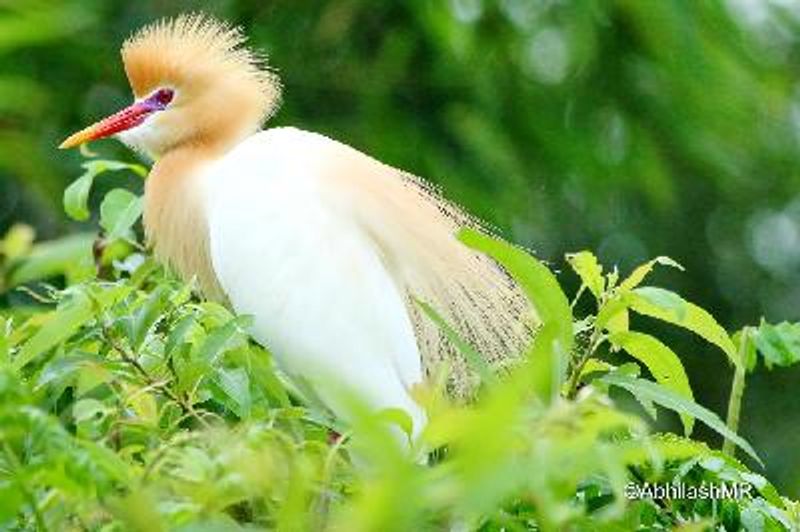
[(193, 83)]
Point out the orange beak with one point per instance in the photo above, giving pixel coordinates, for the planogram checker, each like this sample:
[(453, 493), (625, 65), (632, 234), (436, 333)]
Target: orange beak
[(125, 119)]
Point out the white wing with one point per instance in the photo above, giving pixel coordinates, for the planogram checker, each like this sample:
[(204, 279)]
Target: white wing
[(315, 282)]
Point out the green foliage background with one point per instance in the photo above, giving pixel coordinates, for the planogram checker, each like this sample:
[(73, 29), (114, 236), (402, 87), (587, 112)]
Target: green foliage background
[(629, 127)]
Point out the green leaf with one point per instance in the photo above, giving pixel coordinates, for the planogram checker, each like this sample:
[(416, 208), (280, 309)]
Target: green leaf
[(98, 166), (553, 342), (594, 365), (676, 448), (672, 308), (660, 395), (474, 359), (613, 315), (11, 500), (74, 311), (146, 316), (70, 256), (107, 460), (778, 344), (88, 409), (60, 325), (260, 368), (119, 210), (17, 241), (235, 385), (76, 196), (662, 362), (63, 369), (144, 406), (638, 275), (399, 417), (535, 279), (5, 344), (185, 330), (618, 322), (221, 339), (589, 270)]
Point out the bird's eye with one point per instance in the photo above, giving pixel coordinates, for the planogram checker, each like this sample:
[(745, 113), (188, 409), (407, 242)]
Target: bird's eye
[(163, 96)]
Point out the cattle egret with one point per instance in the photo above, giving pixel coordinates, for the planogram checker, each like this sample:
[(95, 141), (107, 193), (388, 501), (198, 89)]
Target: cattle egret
[(327, 248)]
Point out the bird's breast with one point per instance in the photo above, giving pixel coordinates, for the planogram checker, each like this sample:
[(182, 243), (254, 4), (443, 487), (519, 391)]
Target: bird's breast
[(176, 217), (310, 276)]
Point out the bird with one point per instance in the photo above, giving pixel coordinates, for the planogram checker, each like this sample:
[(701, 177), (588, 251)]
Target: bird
[(329, 250)]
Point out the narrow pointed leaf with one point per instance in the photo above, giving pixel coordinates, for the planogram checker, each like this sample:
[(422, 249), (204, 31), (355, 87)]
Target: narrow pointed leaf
[(473, 358), (668, 399), (554, 339), (638, 275)]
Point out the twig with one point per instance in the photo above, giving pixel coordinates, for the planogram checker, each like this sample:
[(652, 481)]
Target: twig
[(578, 296), (737, 391), (594, 343), (130, 358)]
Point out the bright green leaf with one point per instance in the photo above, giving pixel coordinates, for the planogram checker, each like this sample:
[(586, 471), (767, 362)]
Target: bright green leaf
[(638, 275), (119, 210), (17, 241), (749, 353), (595, 365), (553, 340), (61, 324), (670, 307), (662, 362), (608, 317), (589, 270), (618, 322), (76, 196)]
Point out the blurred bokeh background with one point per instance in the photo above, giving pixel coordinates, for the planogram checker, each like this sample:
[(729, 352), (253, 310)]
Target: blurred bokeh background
[(633, 128)]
